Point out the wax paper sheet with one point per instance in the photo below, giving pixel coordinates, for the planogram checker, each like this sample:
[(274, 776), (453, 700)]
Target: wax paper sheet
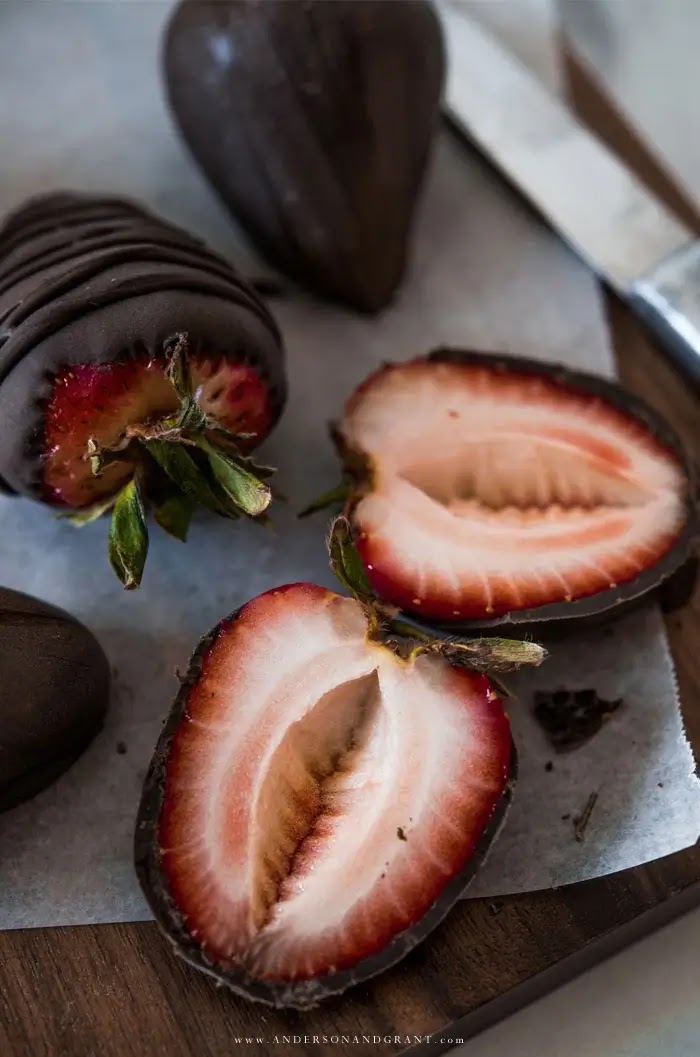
[(81, 106)]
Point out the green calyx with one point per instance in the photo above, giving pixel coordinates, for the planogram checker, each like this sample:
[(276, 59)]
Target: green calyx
[(357, 475), (484, 654), (180, 462)]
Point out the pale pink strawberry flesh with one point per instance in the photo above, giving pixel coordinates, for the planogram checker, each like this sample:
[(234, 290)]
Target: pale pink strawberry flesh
[(304, 757), (102, 400), (495, 491)]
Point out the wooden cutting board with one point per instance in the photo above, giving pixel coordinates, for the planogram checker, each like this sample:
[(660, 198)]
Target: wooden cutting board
[(112, 990)]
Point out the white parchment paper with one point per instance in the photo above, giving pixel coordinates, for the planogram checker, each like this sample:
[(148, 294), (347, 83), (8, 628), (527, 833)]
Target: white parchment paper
[(81, 107)]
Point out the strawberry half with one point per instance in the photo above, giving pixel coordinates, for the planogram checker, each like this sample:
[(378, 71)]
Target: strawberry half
[(137, 369), (491, 488), (318, 799)]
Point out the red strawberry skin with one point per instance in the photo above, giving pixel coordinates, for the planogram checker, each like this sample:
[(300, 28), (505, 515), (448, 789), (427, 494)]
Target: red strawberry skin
[(388, 844), (507, 489)]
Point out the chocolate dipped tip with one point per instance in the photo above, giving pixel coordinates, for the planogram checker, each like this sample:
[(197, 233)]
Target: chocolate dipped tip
[(314, 121)]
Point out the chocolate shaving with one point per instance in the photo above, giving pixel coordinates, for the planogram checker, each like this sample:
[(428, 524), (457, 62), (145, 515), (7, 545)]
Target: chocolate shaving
[(572, 717), (581, 821)]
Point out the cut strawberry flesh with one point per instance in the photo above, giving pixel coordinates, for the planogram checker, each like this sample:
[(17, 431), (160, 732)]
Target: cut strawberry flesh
[(319, 793), (101, 401), (498, 490)]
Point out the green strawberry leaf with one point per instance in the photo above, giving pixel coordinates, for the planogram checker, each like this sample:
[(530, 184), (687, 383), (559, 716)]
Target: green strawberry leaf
[(128, 536), (346, 562), (191, 418), (333, 497), (229, 444), (251, 495), (174, 513), (89, 513), (493, 654), (181, 468)]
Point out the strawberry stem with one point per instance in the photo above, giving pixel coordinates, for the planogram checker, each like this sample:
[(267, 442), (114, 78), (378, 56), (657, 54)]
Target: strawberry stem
[(404, 638), (334, 497)]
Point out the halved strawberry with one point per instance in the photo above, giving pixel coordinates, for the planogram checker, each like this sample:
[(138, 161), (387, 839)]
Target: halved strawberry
[(137, 369), (318, 799), (490, 487)]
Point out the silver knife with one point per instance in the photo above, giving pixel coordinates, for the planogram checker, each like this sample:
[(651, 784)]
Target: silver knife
[(579, 186)]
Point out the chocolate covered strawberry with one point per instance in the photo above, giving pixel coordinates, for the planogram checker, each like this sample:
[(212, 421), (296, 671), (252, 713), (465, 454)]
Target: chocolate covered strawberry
[(322, 791), (491, 488), (314, 121), (137, 369)]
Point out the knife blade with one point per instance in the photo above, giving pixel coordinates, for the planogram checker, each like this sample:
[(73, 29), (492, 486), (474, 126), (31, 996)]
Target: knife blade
[(627, 236)]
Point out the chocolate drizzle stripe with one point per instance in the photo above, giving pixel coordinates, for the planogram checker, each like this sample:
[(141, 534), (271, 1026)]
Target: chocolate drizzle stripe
[(196, 255), (60, 313), (14, 235), (63, 237), (60, 202), (26, 246), (224, 282)]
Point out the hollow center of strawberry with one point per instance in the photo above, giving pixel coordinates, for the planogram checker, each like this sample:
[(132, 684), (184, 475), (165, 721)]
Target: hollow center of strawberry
[(521, 469), (308, 786), (108, 402)]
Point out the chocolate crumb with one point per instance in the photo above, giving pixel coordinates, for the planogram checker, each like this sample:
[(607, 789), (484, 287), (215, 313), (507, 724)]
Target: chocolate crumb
[(400, 833), (582, 820), (571, 717), (566, 817), (660, 785), (121, 748), (549, 766)]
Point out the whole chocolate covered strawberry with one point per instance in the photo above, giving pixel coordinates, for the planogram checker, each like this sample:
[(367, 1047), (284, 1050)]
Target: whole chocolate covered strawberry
[(313, 120), (137, 368), (55, 691), (488, 489)]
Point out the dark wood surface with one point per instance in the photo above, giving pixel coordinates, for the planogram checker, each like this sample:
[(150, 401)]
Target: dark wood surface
[(115, 990)]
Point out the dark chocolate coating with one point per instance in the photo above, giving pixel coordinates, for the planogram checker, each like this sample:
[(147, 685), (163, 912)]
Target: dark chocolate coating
[(300, 994), (54, 693), (313, 120), (88, 279)]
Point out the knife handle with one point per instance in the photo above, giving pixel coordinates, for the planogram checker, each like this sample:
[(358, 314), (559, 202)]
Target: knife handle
[(667, 300)]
